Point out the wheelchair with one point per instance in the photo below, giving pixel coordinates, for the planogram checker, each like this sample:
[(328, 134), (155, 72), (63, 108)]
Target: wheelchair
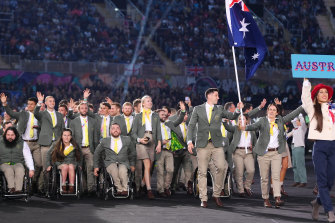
[(53, 183), (228, 184), (26, 189), (105, 185)]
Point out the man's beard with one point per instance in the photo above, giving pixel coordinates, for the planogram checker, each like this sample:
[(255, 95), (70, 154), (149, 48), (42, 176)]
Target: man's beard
[(10, 144)]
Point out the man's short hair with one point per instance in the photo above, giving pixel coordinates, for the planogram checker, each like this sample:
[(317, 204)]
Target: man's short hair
[(127, 103), (106, 104), (210, 91), (247, 106), (33, 99), (117, 104), (227, 105), (64, 101), (90, 106), (63, 106), (167, 108), (82, 103), (49, 97), (136, 102), (6, 123)]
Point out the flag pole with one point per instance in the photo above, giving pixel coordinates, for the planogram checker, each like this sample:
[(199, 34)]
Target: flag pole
[(238, 89)]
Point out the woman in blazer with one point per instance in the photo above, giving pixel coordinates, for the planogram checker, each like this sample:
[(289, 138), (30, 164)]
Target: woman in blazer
[(240, 149), (65, 153), (322, 131), (270, 145)]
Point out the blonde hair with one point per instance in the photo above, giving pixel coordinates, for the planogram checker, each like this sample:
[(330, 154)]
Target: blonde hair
[(143, 98)]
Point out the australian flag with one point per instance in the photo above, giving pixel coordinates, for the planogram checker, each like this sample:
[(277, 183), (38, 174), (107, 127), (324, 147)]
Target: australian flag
[(243, 32)]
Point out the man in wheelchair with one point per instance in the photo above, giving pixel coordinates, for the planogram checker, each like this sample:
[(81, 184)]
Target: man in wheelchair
[(14, 153), (118, 156), (66, 155)]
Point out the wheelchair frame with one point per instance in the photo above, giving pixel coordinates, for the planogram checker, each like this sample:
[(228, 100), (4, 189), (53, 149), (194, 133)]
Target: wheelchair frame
[(26, 188), (105, 185)]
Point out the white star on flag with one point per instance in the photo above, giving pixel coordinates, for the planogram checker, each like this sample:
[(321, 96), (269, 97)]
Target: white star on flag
[(244, 27), (255, 56)]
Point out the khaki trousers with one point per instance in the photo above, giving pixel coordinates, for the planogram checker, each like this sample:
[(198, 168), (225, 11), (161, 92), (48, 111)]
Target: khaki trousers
[(271, 160), (204, 155), (165, 162), (88, 157), (14, 175), (119, 174), (44, 151), (241, 161), (194, 161), (35, 149)]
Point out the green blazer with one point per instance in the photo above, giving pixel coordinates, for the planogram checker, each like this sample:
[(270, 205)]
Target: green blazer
[(47, 130), (77, 133), (121, 121), (263, 126), (22, 117), (199, 116), (126, 156), (139, 129)]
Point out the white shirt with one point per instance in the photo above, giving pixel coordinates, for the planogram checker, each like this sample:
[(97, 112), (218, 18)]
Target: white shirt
[(84, 122), (148, 125), (273, 143), (245, 141), (107, 125), (182, 130), (26, 134), (119, 143), (299, 133), (163, 133), (131, 119), (28, 158)]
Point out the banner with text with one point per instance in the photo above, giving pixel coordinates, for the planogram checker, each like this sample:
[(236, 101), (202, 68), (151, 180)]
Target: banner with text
[(313, 66)]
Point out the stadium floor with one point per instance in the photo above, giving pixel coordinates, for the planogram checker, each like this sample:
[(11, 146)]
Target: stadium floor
[(179, 208)]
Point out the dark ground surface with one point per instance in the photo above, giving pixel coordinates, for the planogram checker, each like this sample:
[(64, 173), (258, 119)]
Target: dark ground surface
[(179, 208)]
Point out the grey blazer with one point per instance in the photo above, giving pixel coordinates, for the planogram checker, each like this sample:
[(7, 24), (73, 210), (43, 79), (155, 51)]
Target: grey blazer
[(22, 117), (139, 129), (126, 156), (263, 126), (199, 116), (77, 133), (121, 121), (174, 126), (47, 130)]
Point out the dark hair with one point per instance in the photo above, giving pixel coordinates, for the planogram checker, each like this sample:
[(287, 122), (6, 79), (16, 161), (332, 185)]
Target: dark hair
[(117, 104), (17, 134), (64, 102), (90, 106), (136, 102), (33, 99), (106, 104), (63, 106), (318, 114), (247, 117), (273, 104), (6, 123), (210, 91), (227, 105), (167, 108), (58, 152), (246, 107)]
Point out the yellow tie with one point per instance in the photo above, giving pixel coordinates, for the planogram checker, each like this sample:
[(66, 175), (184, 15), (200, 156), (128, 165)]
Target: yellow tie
[(166, 136), (31, 133), (209, 121), (128, 124), (184, 127), (223, 130), (246, 134), (53, 123), (272, 124), (104, 128), (146, 112), (115, 146), (86, 133)]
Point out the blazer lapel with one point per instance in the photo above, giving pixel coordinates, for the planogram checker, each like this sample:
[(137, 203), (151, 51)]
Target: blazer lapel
[(203, 112), (213, 112), (48, 115)]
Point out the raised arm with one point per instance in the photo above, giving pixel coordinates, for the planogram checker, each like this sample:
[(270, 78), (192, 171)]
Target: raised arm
[(293, 114), (181, 116), (254, 127), (9, 111), (229, 128), (192, 124), (306, 98), (37, 112)]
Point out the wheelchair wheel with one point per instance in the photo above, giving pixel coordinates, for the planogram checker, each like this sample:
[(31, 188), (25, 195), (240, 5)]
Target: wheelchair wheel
[(52, 184), (195, 184), (210, 184), (228, 185), (99, 187), (80, 187)]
